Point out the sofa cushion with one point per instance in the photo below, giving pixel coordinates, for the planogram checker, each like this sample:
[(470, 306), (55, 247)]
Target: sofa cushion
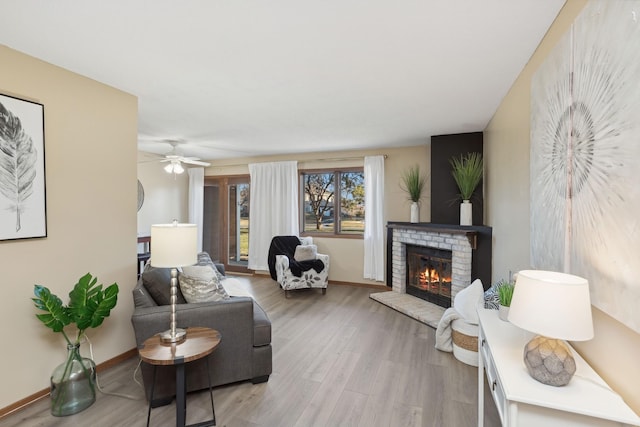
[(305, 253), (158, 282), (261, 326), (234, 288), (199, 283)]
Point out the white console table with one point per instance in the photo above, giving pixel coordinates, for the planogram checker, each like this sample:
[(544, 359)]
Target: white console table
[(522, 401)]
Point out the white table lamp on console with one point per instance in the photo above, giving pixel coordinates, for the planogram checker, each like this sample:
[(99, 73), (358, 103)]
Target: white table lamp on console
[(556, 307)]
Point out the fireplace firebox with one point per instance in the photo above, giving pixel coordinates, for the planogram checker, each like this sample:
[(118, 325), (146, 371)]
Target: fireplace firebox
[(429, 274)]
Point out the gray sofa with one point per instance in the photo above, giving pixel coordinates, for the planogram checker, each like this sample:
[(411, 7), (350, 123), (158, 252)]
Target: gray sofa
[(244, 352)]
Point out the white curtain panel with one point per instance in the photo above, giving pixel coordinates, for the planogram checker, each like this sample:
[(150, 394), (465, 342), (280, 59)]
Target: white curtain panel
[(374, 218), (196, 200), (274, 207)]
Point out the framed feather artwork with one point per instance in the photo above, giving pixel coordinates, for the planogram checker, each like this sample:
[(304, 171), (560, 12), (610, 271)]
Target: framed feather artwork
[(22, 170)]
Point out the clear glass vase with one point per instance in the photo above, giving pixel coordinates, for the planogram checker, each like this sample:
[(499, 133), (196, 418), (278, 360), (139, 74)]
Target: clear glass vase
[(73, 384)]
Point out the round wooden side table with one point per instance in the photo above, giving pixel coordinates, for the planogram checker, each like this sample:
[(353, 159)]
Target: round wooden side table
[(200, 342)]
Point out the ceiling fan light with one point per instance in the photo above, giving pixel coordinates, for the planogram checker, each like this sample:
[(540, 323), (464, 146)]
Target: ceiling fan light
[(177, 168), (169, 168)]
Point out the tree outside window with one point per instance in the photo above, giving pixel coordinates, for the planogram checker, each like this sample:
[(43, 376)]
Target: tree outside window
[(352, 202), (323, 191)]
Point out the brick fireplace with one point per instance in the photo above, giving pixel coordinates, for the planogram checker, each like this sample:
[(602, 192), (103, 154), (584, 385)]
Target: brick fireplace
[(470, 248), (460, 241)]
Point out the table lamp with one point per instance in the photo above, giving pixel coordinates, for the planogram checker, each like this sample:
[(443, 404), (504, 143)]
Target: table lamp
[(557, 307), (174, 245)]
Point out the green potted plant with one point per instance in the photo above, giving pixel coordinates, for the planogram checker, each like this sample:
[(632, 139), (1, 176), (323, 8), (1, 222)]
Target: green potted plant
[(73, 382), (467, 171), (413, 183), (505, 294)]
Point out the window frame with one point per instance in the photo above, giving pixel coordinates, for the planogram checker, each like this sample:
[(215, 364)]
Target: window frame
[(337, 220)]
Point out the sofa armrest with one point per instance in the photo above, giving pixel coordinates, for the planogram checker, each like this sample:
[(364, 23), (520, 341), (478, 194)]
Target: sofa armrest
[(324, 258), (283, 261), (232, 317), (281, 265)]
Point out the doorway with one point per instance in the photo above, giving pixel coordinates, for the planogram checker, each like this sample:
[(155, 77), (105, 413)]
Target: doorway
[(226, 221)]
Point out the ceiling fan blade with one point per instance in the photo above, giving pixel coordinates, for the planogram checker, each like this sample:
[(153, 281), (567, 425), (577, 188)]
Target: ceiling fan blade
[(196, 162)]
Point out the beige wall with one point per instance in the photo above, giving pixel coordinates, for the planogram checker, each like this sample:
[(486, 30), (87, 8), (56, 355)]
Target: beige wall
[(166, 196), (613, 350), (347, 254), (90, 146)]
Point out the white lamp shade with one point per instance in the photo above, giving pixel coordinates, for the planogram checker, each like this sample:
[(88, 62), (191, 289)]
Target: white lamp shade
[(174, 245), (552, 304)]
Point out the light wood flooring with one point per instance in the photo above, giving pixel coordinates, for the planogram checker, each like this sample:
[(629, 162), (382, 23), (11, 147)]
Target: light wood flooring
[(340, 359)]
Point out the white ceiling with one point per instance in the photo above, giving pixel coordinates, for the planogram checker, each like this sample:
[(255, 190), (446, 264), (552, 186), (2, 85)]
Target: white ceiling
[(239, 77)]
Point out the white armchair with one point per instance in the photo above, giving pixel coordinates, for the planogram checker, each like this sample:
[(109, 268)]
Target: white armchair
[(297, 265)]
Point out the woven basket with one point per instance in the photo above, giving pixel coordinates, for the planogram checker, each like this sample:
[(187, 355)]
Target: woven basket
[(465, 341)]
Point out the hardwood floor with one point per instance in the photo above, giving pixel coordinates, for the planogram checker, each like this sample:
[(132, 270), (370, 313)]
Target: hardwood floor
[(339, 359)]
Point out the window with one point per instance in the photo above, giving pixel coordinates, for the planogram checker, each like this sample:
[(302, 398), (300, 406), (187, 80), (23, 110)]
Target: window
[(322, 192)]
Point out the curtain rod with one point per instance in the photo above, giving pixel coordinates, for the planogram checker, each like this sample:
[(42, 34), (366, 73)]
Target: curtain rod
[(331, 159)]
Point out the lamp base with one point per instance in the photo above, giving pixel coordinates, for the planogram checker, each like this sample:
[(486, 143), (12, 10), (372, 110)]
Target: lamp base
[(168, 337), (549, 361)]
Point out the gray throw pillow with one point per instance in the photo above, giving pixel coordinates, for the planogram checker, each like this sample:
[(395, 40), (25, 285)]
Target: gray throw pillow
[(157, 281), (202, 272), (199, 283), (205, 259), (219, 275)]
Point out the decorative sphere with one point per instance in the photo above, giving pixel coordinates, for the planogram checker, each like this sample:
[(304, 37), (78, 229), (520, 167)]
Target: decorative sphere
[(549, 361)]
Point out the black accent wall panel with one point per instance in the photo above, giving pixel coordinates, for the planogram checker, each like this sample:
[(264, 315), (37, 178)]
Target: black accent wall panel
[(445, 202)]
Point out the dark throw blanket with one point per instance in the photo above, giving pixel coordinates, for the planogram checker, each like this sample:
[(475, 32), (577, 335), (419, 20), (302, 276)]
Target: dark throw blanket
[(286, 245)]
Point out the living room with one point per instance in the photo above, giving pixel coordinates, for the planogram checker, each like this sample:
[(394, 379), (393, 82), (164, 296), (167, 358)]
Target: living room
[(92, 168)]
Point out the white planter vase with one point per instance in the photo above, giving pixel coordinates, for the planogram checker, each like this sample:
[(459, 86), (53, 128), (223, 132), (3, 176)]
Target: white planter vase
[(503, 313), (415, 212), (466, 213)]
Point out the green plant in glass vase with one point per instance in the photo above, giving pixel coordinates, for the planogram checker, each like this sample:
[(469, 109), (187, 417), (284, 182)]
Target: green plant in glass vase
[(73, 382)]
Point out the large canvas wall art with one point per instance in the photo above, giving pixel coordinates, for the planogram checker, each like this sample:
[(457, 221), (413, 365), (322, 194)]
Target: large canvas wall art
[(585, 157), (22, 169)]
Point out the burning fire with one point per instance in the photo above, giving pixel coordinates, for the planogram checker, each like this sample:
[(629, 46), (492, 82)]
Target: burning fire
[(430, 275), (431, 281)]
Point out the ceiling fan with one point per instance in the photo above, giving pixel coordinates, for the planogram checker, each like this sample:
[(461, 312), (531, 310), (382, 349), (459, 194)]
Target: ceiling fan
[(175, 159)]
